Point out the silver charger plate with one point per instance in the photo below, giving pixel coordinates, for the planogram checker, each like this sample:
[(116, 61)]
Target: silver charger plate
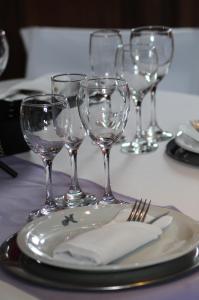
[(38, 239), (14, 261), (179, 154)]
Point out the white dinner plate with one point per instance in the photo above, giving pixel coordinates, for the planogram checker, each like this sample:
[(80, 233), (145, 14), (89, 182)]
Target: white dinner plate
[(186, 142), (38, 238)]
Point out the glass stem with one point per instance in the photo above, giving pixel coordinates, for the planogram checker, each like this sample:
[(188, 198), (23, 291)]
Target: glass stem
[(153, 107), (138, 111), (49, 189), (108, 191), (74, 185)]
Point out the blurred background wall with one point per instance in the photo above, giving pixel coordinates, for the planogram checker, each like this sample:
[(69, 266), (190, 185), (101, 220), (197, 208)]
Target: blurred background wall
[(15, 14)]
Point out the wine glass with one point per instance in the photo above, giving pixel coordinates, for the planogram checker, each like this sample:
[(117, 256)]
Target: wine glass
[(138, 66), (68, 85), (103, 46), (103, 108), (45, 122), (161, 38)]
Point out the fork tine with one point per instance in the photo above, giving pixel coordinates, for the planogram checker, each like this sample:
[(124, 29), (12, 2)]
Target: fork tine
[(139, 211), (132, 211), (144, 213), (136, 210)]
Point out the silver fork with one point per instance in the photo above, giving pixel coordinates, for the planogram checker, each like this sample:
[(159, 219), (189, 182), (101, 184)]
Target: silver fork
[(139, 210)]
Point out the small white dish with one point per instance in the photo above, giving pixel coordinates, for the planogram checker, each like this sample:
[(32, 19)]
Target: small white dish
[(188, 137), (186, 142), (39, 237)]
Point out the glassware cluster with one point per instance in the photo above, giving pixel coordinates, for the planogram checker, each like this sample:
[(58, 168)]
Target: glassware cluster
[(98, 106)]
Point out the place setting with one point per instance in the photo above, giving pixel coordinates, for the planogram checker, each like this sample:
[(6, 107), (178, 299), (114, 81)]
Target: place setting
[(100, 248)]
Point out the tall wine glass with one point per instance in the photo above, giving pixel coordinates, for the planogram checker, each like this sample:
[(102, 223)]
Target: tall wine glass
[(45, 122), (68, 85), (138, 66), (103, 122), (103, 46), (161, 38)]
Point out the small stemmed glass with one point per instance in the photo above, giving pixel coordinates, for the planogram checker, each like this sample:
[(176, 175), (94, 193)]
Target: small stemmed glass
[(137, 64), (45, 122), (161, 38), (103, 109), (68, 85)]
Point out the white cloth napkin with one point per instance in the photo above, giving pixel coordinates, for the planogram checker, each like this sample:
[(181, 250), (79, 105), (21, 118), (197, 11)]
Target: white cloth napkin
[(189, 131), (109, 242), (42, 84)]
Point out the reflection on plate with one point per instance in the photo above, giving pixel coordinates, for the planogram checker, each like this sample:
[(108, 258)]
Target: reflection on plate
[(182, 155), (187, 143), (38, 238)]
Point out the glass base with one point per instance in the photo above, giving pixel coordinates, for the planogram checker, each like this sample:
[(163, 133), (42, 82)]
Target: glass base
[(110, 199), (44, 211), (156, 133), (139, 146), (71, 200)]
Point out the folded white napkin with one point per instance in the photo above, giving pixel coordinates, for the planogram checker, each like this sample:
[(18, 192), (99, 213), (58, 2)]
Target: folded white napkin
[(109, 242), (189, 130), (42, 84)]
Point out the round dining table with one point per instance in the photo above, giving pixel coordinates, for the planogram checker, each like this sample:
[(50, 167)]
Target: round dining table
[(155, 176)]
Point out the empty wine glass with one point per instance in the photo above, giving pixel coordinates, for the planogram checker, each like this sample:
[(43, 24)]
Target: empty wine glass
[(103, 108), (102, 49), (103, 46), (138, 66), (45, 122), (68, 85), (161, 38)]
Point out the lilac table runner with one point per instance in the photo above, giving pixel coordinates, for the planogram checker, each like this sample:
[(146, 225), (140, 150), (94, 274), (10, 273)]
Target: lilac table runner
[(20, 195)]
